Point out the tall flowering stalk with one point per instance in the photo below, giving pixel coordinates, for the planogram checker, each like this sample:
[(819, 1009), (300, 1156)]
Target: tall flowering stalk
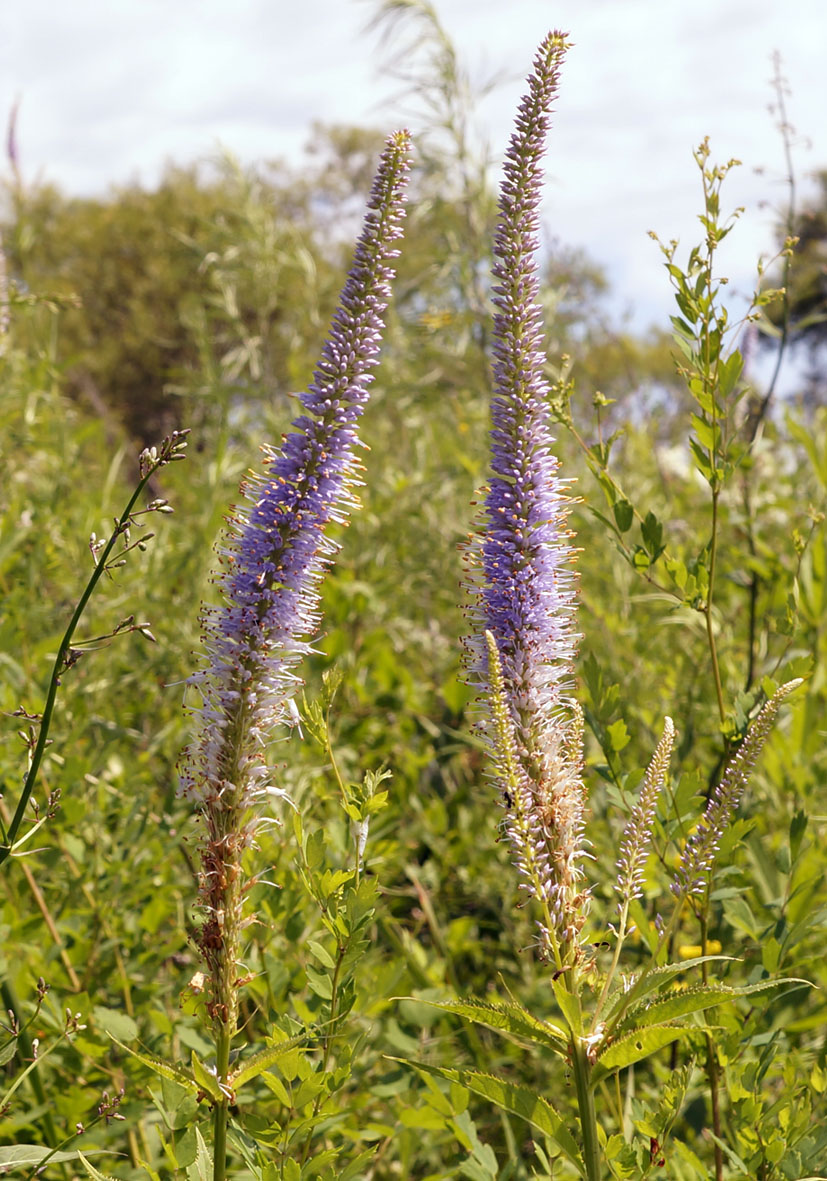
[(522, 656), (524, 584), (273, 559), (521, 568)]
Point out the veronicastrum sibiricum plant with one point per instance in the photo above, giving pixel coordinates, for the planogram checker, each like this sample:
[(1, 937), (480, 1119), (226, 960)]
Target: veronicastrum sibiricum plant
[(522, 656), (273, 559)]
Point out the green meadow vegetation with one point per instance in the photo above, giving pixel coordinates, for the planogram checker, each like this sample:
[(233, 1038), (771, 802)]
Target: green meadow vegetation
[(699, 516)]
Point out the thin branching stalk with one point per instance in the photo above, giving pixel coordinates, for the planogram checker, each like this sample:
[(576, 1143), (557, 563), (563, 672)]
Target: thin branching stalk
[(152, 460)]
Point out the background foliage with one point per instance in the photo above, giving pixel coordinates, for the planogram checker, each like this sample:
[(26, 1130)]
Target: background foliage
[(203, 304)]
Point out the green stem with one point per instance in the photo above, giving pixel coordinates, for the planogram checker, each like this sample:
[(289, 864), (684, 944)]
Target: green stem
[(24, 1043), (328, 1046), (585, 1105), (607, 983), (713, 649), (222, 1109), (711, 1056), (60, 664)]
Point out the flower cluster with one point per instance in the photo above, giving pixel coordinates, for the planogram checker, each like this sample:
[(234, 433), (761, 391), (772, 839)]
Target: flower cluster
[(700, 850), (637, 837), (522, 578), (273, 559)]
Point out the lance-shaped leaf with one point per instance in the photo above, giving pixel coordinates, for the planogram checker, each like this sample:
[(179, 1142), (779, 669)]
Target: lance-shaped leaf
[(569, 1006), (520, 1101), (207, 1081), (510, 1019), (633, 1046), (262, 1061), (93, 1172), (167, 1070), (695, 1000), (649, 982), (14, 1156)]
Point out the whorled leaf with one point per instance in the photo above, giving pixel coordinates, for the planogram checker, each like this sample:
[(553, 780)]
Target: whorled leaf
[(623, 999), (14, 1156), (175, 1074), (93, 1172)]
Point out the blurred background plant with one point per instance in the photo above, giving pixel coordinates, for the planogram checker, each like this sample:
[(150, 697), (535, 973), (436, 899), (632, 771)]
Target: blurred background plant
[(204, 303)]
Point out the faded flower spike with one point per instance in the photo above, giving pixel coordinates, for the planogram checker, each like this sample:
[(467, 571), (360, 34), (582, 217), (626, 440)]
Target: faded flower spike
[(520, 562), (637, 836), (699, 854), (273, 559)]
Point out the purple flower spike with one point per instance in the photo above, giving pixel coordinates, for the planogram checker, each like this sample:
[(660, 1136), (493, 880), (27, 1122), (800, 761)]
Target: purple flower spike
[(522, 577), (273, 559), (529, 595), (277, 551)]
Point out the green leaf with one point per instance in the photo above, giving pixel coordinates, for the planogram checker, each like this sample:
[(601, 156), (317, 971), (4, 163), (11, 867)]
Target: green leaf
[(624, 515), (678, 1004), (8, 1051), (206, 1080), (92, 1171), (262, 1061), (202, 1170), (701, 459), (569, 1006), (510, 1019), (633, 1046), (175, 1074), (356, 1168), (116, 1024), (705, 432), (321, 953), (651, 981), (520, 1101), (729, 373), (652, 533), (319, 983), (618, 735), (15, 1155)]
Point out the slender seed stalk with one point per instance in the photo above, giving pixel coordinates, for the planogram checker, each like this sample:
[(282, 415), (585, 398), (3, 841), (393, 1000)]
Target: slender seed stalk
[(24, 1042), (151, 461)]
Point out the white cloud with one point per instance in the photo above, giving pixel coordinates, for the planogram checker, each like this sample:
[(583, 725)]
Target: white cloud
[(111, 89)]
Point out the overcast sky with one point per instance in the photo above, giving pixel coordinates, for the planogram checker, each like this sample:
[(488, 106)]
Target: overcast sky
[(110, 90)]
